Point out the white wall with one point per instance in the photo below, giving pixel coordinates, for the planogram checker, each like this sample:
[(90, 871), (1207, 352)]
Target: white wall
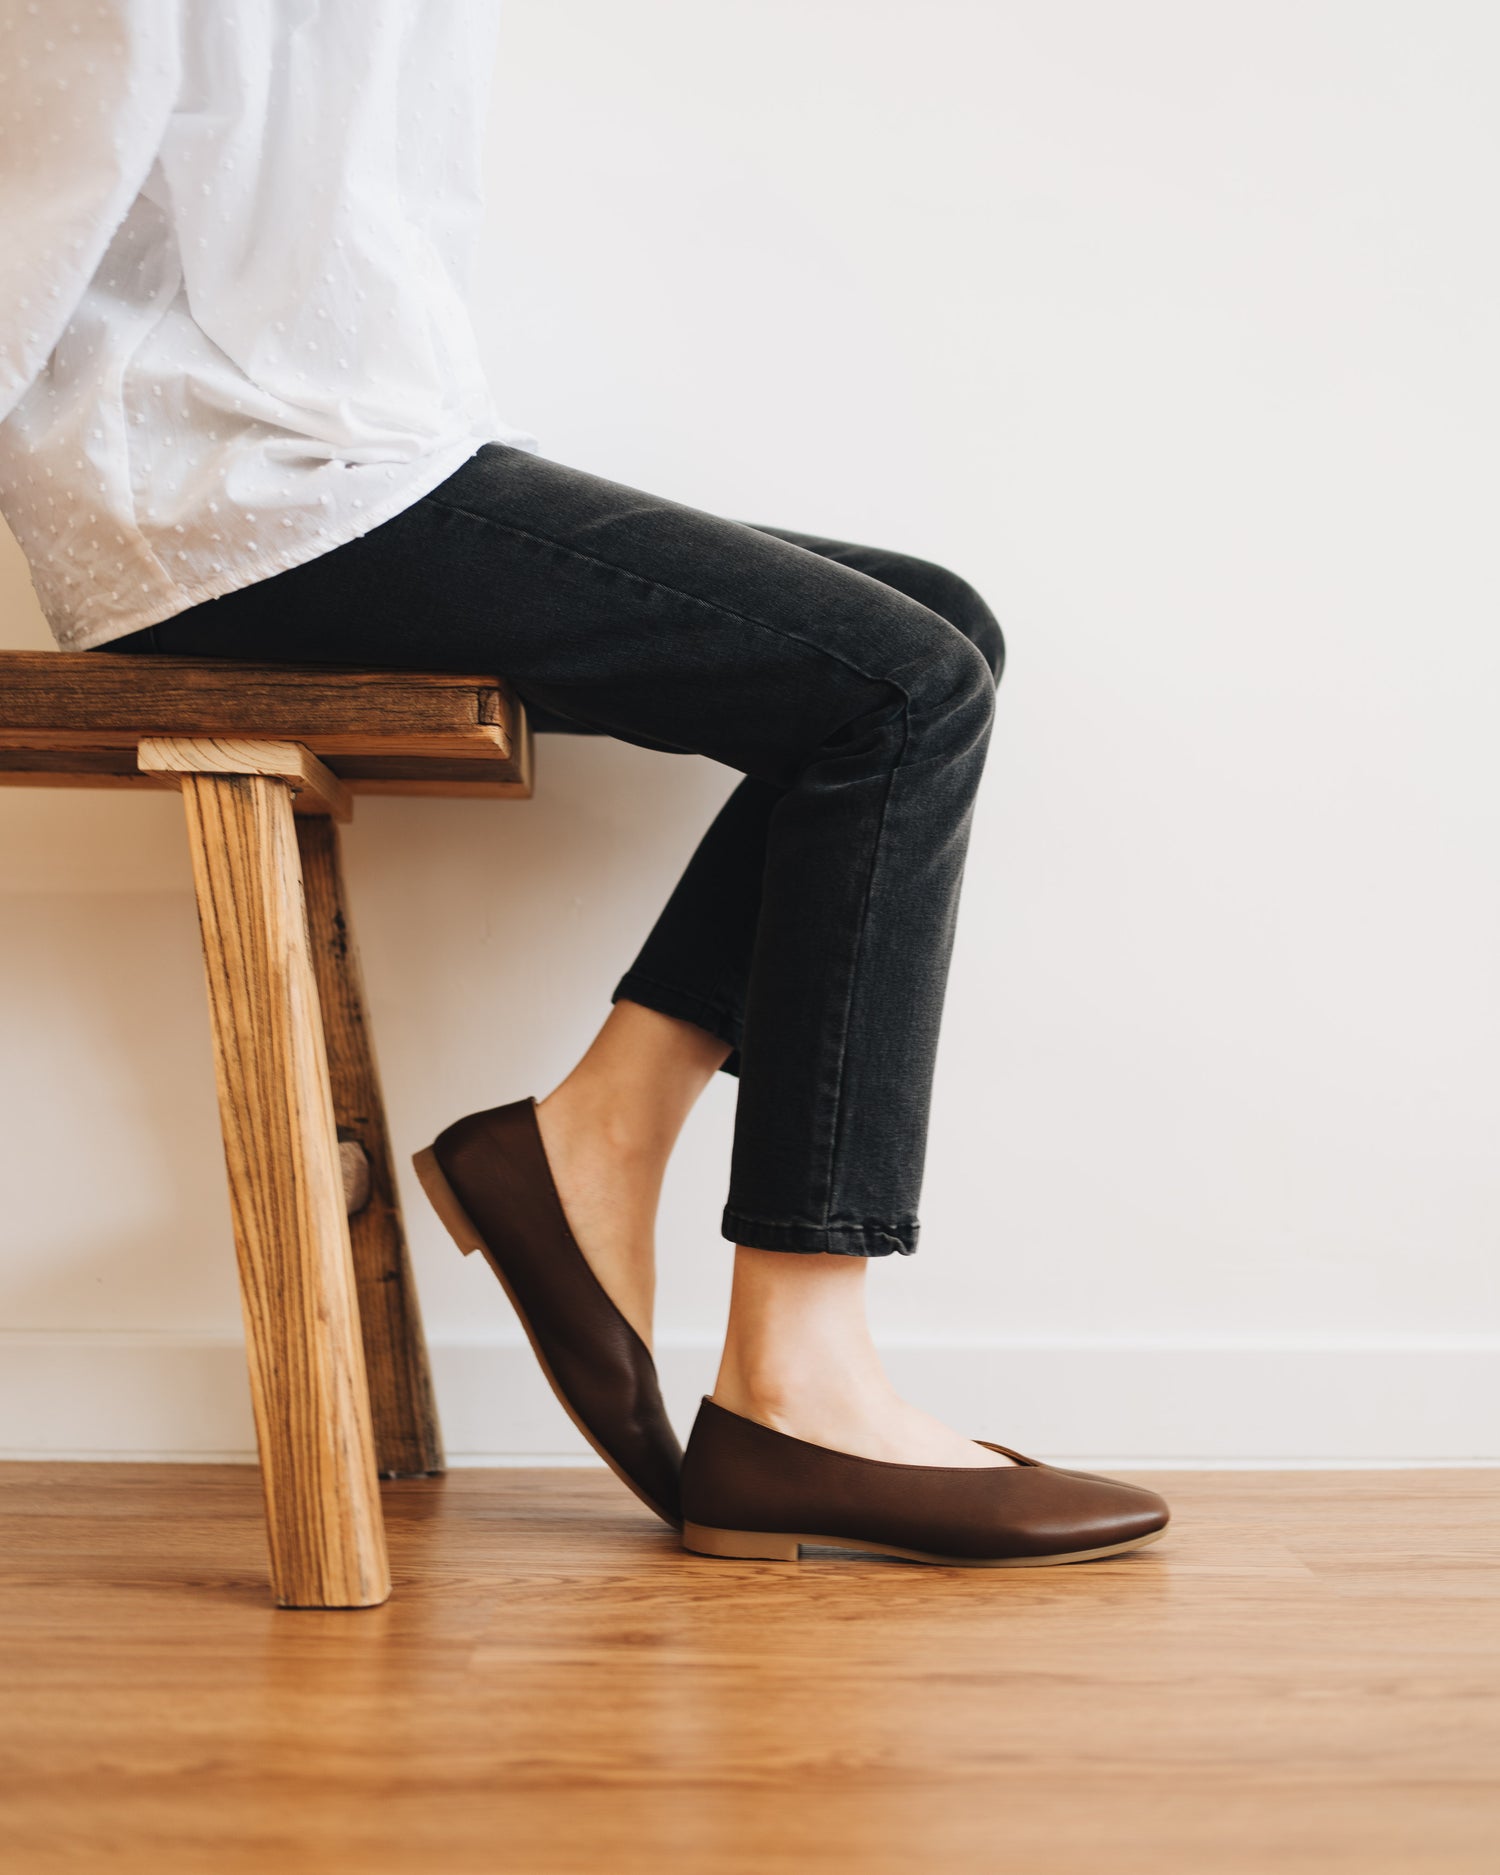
[(1171, 326)]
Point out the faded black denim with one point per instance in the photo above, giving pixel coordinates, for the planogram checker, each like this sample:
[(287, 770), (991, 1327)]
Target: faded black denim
[(852, 687)]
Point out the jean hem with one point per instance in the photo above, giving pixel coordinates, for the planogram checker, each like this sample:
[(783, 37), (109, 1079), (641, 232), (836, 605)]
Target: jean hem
[(847, 1240), (669, 1000)]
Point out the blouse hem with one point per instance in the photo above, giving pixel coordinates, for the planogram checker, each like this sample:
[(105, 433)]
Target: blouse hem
[(85, 636)]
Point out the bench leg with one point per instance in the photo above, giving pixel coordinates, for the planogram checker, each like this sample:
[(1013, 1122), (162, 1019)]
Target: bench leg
[(407, 1441), (307, 1371)]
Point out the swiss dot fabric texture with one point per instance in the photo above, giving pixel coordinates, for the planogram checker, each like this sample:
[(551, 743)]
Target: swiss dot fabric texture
[(234, 330)]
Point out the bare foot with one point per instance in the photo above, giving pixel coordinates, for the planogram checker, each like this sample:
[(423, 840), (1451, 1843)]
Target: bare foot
[(608, 1130), (609, 1191), (868, 1421), (799, 1357)]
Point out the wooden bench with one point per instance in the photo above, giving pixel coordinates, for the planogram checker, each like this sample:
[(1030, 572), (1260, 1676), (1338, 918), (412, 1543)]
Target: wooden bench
[(268, 759)]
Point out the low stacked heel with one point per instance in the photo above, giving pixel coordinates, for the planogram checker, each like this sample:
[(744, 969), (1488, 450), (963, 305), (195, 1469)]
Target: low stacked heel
[(443, 1199), (740, 1545)]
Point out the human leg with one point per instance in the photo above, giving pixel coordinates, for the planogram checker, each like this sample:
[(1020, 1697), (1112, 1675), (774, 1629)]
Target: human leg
[(866, 712), (640, 1077)]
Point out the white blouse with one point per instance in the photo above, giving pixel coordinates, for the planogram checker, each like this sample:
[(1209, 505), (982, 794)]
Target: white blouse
[(234, 248)]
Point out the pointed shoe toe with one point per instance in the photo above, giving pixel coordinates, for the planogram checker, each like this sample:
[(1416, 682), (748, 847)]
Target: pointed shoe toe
[(489, 1181), (753, 1493), (1154, 1504)]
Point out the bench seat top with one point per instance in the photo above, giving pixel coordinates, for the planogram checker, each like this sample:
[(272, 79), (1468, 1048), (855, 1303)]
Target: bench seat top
[(74, 719)]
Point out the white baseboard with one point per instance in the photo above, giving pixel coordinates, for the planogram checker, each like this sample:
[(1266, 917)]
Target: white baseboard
[(178, 1397)]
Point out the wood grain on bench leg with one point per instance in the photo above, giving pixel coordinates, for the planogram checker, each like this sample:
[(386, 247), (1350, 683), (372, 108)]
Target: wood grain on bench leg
[(407, 1441), (307, 1370)]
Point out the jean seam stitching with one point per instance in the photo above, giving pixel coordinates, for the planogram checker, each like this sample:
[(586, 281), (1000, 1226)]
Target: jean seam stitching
[(831, 1223), (862, 923)]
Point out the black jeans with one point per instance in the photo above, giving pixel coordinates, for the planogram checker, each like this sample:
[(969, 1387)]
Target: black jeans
[(853, 688)]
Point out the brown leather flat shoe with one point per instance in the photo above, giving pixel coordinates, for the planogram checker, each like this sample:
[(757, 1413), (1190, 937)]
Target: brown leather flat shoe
[(489, 1181), (757, 1494)]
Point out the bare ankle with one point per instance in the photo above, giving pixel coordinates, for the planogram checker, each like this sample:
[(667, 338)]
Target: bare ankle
[(772, 1403), (825, 1386), (586, 1120), (634, 1088)]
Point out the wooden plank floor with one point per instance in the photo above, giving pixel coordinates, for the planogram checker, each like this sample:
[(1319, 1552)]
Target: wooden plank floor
[(1304, 1676)]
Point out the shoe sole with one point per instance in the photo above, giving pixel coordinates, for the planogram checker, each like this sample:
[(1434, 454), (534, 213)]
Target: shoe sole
[(780, 1546), (461, 1228)]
